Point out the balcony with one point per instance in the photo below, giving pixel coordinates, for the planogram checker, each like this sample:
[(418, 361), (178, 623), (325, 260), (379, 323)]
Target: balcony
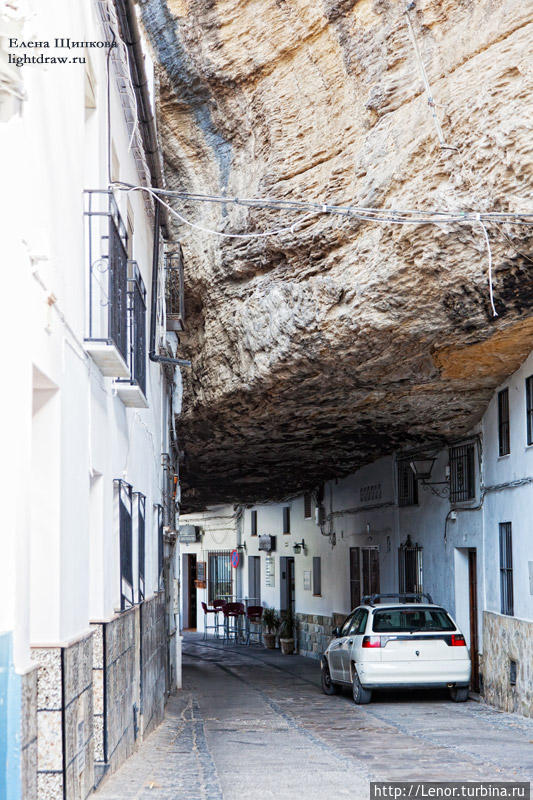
[(107, 259), (132, 390), (175, 293)]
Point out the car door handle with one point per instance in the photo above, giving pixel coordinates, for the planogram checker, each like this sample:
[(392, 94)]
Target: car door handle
[(350, 642)]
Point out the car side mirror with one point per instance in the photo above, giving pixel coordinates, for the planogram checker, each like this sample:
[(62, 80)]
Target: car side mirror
[(335, 633)]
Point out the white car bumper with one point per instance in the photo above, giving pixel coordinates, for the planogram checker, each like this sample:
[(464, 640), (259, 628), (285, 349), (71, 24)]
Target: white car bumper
[(409, 673)]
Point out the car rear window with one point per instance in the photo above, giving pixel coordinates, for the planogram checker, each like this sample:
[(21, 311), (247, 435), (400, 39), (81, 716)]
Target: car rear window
[(410, 619)]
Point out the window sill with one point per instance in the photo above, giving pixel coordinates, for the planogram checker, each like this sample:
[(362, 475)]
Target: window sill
[(316, 595), (502, 458)]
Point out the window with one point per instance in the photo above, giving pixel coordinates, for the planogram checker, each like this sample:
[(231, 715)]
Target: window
[(124, 499), (317, 576), (358, 623), (160, 548), (411, 618), (307, 505), (462, 473), (253, 521), (141, 508), (286, 519), (506, 569), (410, 568), (529, 409), (407, 485), (220, 579), (504, 444)]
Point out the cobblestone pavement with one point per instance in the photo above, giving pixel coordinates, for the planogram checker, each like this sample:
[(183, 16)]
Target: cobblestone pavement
[(252, 723)]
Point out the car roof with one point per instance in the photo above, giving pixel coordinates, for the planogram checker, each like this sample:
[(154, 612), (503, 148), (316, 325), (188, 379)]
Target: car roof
[(381, 606)]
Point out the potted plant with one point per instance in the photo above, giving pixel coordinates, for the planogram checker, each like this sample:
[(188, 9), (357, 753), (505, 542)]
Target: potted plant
[(271, 624), (286, 632)]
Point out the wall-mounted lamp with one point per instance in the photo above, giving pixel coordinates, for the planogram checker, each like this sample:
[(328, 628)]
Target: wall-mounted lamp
[(299, 546), (422, 468), (241, 547)]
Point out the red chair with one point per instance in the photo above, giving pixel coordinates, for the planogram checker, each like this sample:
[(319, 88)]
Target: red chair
[(233, 616), (254, 624), (207, 627)]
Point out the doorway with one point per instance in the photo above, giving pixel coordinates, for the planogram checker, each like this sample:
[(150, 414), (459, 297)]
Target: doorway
[(191, 592), (472, 602), (364, 573), (466, 605), (287, 583), (254, 580)]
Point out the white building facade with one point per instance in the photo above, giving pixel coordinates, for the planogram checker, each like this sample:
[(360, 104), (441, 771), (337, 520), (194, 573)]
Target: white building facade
[(88, 612), (461, 534)]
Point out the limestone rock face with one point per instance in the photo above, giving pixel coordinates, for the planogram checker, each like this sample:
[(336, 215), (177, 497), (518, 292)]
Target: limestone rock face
[(339, 340)]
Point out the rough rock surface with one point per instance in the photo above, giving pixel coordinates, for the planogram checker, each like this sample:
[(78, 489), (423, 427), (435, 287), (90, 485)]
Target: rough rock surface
[(318, 350)]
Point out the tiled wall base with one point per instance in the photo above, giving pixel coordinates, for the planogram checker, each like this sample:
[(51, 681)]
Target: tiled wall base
[(65, 720), (18, 726), (28, 739), (507, 639)]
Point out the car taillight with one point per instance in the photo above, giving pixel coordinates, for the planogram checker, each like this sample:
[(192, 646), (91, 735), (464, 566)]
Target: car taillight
[(372, 641), (458, 640)]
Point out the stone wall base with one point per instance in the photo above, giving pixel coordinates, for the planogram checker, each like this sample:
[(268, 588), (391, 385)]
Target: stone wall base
[(506, 640), (314, 632)]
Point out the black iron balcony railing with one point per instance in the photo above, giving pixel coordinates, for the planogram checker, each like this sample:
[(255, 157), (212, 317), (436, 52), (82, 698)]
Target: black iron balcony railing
[(107, 247), (174, 291), (136, 328)]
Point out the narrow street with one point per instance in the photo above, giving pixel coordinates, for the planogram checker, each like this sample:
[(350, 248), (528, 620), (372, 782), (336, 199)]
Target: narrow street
[(251, 723)]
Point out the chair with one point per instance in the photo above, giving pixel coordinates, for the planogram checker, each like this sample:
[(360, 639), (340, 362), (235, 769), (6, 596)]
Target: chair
[(207, 627), (254, 624), (233, 614)]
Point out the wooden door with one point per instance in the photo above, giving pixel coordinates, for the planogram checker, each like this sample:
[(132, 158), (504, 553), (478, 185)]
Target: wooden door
[(355, 577), (192, 592), (472, 592)]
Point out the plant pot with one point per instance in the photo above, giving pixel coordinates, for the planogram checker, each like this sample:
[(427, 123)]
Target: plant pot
[(270, 640), (287, 646)]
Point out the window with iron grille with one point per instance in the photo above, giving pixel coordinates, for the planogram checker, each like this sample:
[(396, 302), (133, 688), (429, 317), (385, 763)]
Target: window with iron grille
[(253, 523), (124, 498), (504, 442), (107, 251), (506, 569), (219, 577), (308, 505), (175, 291), (462, 473), (317, 576), (286, 519), (410, 568), (407, 485), (137, 327), (529, 409), (141, 516), (160, 547)]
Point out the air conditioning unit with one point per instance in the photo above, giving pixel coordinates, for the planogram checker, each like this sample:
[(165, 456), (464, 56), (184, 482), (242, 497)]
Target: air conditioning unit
[(320, 515)]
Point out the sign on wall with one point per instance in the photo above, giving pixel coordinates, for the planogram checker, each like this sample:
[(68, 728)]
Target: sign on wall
[(269, 571), (307, 580), (267, 543)]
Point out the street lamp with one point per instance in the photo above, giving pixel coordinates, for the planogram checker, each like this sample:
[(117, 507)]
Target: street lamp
[(298, 546), (422, 468)]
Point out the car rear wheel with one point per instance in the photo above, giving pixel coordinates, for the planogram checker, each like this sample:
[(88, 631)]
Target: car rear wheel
[(361, 696), (328, 687), (459, 694)]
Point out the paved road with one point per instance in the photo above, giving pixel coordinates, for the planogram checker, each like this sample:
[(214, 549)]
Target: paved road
[(254, 724)]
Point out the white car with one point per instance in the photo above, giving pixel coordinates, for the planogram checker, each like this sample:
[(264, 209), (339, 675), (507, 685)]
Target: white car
[(400, 645)]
